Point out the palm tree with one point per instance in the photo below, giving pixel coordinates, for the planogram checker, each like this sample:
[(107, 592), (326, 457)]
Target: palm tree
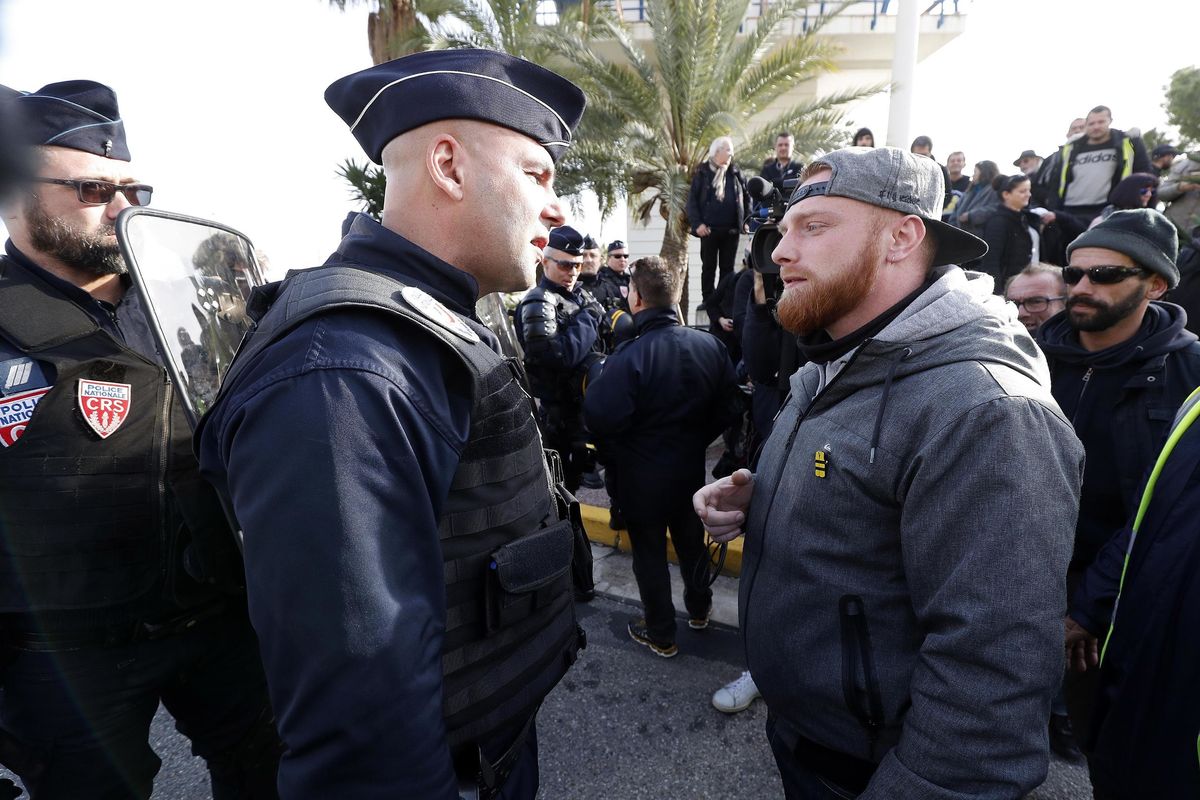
[(399, 27), (700, 76), (390, 28)]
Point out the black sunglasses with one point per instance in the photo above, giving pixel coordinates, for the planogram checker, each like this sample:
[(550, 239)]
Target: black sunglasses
[(566, 264), (1102, 275), (1035, 304), (618, 255), (100, 193)]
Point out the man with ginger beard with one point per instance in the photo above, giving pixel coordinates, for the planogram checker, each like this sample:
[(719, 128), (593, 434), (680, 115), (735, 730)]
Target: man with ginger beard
[(899, 609), (406, 558)]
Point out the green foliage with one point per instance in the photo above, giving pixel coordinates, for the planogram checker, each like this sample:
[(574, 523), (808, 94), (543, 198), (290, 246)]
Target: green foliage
[(705, 72), (655, 105), (366, 186), (1153, 138), (1182, 104)]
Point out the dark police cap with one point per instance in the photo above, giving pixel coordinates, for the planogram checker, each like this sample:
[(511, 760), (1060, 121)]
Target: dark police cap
[(82, 115), (589, 243), (616, 244), (566, 239), (389, 99)]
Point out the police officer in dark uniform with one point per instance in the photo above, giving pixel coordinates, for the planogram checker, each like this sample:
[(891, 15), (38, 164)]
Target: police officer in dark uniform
[(589, 265), (120, 583), (558, 325), (612, 281), (661, 399), (406, 558)]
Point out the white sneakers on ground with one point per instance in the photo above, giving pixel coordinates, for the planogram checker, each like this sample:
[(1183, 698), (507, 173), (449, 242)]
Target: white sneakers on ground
[(736, 696)]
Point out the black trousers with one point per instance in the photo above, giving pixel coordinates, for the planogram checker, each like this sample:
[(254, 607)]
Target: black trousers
[(648, 524), (82, 716), (719, 247)]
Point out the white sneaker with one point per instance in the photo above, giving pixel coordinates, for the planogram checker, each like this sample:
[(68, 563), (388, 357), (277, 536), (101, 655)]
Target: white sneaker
[(737, 696)]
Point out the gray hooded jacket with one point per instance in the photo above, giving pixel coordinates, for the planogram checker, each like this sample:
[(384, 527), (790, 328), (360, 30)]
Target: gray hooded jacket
[(903, 591)]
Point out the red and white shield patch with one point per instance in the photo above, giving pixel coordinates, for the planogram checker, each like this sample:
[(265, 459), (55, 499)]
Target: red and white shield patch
[(15, 412), (104, 405)]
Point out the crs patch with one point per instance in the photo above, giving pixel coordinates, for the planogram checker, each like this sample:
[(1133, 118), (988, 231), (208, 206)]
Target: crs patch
[(15, 412), (105, 405)]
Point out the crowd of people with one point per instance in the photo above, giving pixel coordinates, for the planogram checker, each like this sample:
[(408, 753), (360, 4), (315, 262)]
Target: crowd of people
[(1094, 274), (958, 415)]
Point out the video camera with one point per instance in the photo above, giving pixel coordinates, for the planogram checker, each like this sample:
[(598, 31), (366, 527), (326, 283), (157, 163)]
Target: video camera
[(766, 235)]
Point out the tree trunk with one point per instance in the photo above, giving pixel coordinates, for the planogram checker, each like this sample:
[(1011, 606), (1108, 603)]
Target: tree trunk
[(388, 26), (675, 252)]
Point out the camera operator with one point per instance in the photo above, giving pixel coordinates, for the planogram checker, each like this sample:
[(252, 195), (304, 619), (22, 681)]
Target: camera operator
[(558, 325), (769, 353)]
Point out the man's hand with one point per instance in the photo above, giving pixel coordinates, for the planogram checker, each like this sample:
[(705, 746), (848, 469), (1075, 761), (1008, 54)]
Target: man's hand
[(722, 506), (1083, 649), (703, 230), (962, 219), (1048, 218), (760, 291), (726, 324)]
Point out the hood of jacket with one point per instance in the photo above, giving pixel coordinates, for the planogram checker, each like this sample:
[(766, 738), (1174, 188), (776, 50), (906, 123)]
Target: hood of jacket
[(1162, 331), (956, 319)]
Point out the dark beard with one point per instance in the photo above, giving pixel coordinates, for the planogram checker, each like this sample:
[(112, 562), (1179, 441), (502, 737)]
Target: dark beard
[(85, 251), (822, 303), (1106, 315)]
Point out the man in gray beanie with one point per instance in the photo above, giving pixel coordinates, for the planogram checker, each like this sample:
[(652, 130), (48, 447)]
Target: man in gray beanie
[(1121, 364)]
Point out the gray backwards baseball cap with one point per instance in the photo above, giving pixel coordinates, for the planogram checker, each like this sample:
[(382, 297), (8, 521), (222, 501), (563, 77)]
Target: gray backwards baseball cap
[(892, 178)]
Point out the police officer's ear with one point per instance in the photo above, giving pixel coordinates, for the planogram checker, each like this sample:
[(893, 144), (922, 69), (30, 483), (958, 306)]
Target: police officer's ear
[(445, 159)]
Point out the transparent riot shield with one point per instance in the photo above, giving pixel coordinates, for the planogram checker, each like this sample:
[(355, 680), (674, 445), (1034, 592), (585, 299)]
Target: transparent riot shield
[(194, 278)]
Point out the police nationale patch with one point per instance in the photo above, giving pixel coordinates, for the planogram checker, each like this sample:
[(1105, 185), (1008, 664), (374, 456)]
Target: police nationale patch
[(437, 313), (105, 405), (15, 413)]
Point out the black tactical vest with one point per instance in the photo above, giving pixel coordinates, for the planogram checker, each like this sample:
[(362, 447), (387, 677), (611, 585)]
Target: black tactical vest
[(91, 523), (510, 617)]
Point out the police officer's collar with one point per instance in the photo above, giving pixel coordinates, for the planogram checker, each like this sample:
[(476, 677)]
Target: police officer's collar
[(368, 243), (570, 294), (655, 318)]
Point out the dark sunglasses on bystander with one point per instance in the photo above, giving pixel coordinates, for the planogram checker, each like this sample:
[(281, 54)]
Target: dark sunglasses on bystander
[(1103, 275)]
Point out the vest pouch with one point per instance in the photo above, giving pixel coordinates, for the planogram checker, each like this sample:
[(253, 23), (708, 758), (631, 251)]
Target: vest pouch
[(519, 571)]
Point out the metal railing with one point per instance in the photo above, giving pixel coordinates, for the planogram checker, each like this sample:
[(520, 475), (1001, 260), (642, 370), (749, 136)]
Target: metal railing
[(635, 10)]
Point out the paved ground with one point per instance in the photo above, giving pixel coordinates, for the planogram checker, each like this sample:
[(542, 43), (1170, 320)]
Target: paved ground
[(626, 724)]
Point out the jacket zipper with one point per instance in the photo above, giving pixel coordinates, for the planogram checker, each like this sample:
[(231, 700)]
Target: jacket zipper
[(1087, 376), (770, 503)]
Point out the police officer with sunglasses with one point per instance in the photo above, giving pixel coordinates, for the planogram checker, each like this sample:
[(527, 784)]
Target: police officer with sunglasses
[(1121, 364), (120, 585)]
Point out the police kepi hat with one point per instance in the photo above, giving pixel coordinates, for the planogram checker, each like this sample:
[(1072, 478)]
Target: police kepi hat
[(80, 114), (889, 177), (566, 239), (386, 100)]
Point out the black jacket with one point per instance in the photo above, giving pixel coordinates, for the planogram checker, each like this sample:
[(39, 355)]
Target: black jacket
[(703, 208), (1187, 293), (661, 399), (772, 172), (1010, 245), (1121, 402)]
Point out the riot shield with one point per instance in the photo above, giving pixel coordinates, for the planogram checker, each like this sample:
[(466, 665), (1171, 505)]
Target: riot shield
[(194, 278)]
